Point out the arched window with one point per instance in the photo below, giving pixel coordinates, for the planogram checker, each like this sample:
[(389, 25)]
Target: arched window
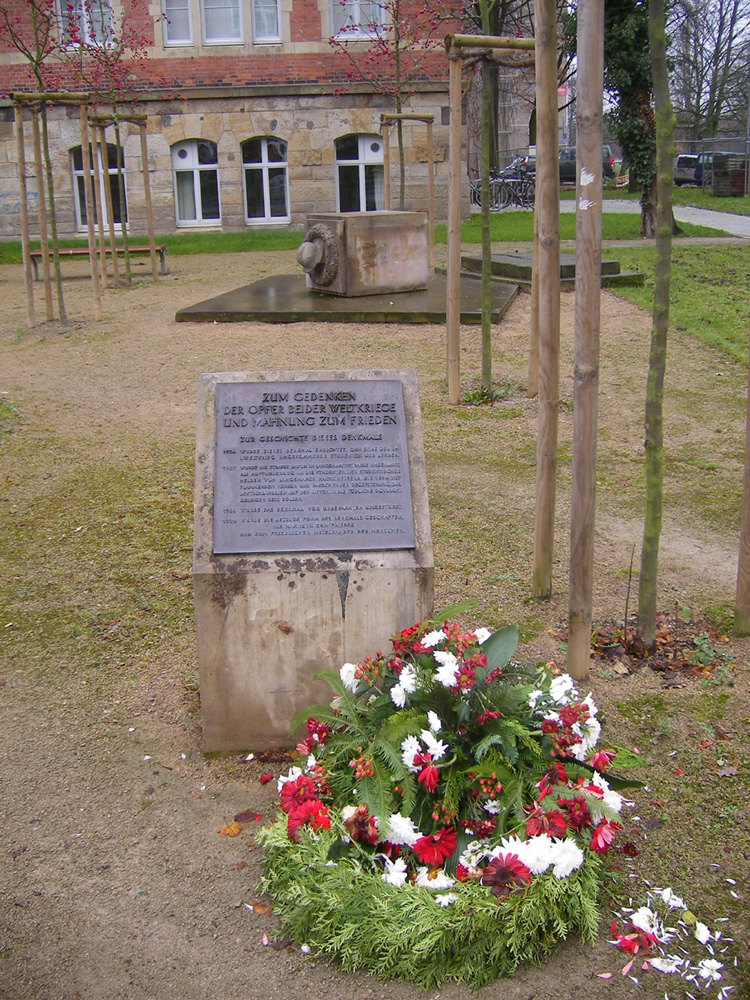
[(110, 171), (360, 177), (196, 182), (266, 184)]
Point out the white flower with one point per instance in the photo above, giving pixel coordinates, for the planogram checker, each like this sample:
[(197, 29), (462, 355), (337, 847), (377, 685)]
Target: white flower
[(671, 963), (408, 678), (348, 679), (610, 798), (646, 920), (589, 731), (482, 634), (432, 638), (401, 830), (395, 871), (701, 933), (446, 674), (294, 773), (435, 747), (537, 853), (709, 969), (672, 900), (492, 806), (567, 856), (560, 687), (434, 722), (446, 899), (473, 853), (347, 812), (311, 762), (409, 747), (398, 696), (430, 879), (534, 697)]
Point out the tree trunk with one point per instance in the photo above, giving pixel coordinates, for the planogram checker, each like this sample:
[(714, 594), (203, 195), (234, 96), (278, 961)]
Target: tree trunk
[(52, 220), (123, 206), (647, 584)]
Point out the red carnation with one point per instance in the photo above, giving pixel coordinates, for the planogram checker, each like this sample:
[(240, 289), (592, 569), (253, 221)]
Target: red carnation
[(311, 812), (294, 793), (434, 848)]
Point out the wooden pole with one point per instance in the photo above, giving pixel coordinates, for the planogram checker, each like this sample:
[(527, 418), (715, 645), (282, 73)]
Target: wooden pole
[(25, 248), (453, 291), (90, 212), (104, 157), (430, 199), (587, 323), (533, 388), (42, 213), (548, 195), (97, 180), (147, 197), (387, 165), (742, 600)]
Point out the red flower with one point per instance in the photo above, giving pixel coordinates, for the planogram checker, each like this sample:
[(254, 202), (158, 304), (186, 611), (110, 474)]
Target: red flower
[(554, 775), (577, 812), (311, 812), (434, 848), (265, 778), (429, 776), (294, 793), (552, 823), (602, 759), (362, 826), (604, 835), (504, 873), (637, 940)]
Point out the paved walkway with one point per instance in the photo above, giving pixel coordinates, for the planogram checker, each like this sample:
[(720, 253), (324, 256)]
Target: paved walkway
[(737, 225)]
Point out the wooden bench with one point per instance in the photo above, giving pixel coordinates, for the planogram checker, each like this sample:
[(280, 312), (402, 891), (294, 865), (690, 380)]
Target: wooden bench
[(36, 255)]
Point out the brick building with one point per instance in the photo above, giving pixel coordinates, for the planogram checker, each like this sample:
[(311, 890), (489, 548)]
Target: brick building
[(258, 133)]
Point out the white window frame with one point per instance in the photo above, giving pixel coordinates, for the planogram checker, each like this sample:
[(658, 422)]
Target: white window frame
[(88, 37), (366, 158), (182, 5), (353, 26), (263, 167), (259, 39), (221, 40), (192, 164), (110, 171)]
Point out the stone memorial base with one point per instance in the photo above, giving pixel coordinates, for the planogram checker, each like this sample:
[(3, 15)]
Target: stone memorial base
[(267, 622)]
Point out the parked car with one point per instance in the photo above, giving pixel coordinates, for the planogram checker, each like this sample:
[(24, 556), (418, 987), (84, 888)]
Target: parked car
[(684, 168), (567, 160), (521, 165), (705, 163)]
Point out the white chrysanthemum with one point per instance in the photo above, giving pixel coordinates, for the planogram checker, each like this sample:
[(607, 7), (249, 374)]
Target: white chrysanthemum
[(434, 747), (310, 763), (709, 969), (482, 634), (670, 963), (348, 679), (567, 857), (701, 933), (432, 638), (446, 899), (347, 812), (534, 697), (473, 853), (401, 830), (646, 920), (409, 747), (611, 799), (589, 731), (536, 853), (408, 678), (398, 696), (434, 722), (492, 806), (294, 773), (431, 879), (591, 704), (673, 901), (562, 689), (395, 872), (446, 672)]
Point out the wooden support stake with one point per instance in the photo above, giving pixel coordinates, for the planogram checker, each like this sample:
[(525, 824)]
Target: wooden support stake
[(548, 195), (386, 128), (104, 157), (147, 197), (453, 292), (533, 388), (90, 213), (742, 600), (431, 200), (97, 183), (25, 248), (42, 212), (587, 323)]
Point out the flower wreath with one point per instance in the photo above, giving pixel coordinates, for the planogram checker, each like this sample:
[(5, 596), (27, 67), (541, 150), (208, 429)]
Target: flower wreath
[(449, 813)]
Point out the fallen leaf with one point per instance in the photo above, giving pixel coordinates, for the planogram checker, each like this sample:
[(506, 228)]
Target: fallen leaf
[(619, 667), (239, 865), (230, 831), (244, 817), (263, 908), (726, 772)]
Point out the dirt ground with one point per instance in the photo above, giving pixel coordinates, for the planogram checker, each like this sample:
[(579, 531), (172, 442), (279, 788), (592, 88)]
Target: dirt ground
[(115, 883)]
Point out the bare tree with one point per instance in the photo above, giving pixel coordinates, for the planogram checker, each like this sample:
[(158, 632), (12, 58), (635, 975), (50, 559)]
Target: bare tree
[(709, 49)]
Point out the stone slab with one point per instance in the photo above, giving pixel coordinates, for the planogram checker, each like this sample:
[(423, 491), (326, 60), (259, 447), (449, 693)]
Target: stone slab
[(284, 298), (266, 622), (518, 265)]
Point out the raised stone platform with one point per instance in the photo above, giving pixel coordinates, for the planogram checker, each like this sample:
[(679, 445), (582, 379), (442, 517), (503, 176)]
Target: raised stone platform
[(284, 298), (516, 268)]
